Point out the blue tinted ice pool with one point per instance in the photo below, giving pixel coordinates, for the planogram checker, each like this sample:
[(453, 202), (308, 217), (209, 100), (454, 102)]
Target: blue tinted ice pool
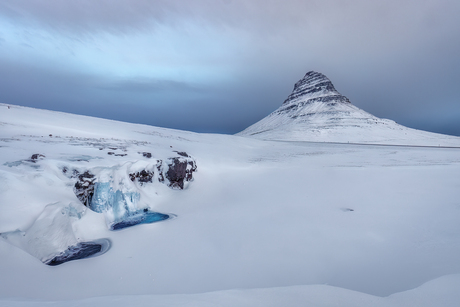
[(141, 217)]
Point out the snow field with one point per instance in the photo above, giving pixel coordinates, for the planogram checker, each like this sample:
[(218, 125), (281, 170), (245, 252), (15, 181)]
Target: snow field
[(291, 222)]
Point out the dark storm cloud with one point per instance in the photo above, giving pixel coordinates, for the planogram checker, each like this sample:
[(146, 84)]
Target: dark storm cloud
[(162, 103), (395, 59)]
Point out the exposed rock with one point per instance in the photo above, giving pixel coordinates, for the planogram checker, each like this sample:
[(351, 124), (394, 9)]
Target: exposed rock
[(142, 177), (313, 85), (147, 155), (161, 177), (36, 157), (180, 170), (84, 188), (182, 153), (70, 173)]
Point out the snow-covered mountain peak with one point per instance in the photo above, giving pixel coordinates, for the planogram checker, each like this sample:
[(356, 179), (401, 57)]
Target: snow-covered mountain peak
[(313, 97), (312, 85), (316, 111)]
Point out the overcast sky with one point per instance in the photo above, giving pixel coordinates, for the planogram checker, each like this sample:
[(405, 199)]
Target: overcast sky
[(221, 65)]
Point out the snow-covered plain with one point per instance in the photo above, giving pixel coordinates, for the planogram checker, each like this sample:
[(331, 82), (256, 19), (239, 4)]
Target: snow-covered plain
[(265, 223)]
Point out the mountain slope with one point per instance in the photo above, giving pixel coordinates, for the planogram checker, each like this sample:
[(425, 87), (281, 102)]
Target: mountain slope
[(316, 111)]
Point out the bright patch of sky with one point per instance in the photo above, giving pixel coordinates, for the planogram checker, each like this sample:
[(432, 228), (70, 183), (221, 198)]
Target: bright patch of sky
[(189, 53)]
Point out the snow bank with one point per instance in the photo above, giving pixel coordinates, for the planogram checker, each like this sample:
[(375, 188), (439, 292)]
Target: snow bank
[(441, 292)]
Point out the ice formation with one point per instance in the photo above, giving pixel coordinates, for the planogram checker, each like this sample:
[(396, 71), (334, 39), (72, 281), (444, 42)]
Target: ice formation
[(51, 237), (113, 191), (121, 206), (116, 191)]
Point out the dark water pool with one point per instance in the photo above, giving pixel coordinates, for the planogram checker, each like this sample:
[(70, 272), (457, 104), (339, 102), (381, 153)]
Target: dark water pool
[(80, 251), (142, 217)]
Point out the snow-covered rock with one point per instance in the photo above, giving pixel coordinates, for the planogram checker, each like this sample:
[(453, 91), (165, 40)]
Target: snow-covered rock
[(180, 171), (116, 191)]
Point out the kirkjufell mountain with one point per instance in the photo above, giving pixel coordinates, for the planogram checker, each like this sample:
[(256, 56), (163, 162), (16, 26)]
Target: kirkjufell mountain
[(316, 111)]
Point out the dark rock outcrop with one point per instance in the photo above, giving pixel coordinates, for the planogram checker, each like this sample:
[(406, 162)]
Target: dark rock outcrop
[(180, 170), (84, 188), (142, 177), (182, 153), (147, 155), (161, 177), (70, 173), (35, 157)]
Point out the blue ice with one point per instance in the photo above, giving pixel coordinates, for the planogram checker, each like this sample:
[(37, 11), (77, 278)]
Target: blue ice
[(123, 206), (105, 199)]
